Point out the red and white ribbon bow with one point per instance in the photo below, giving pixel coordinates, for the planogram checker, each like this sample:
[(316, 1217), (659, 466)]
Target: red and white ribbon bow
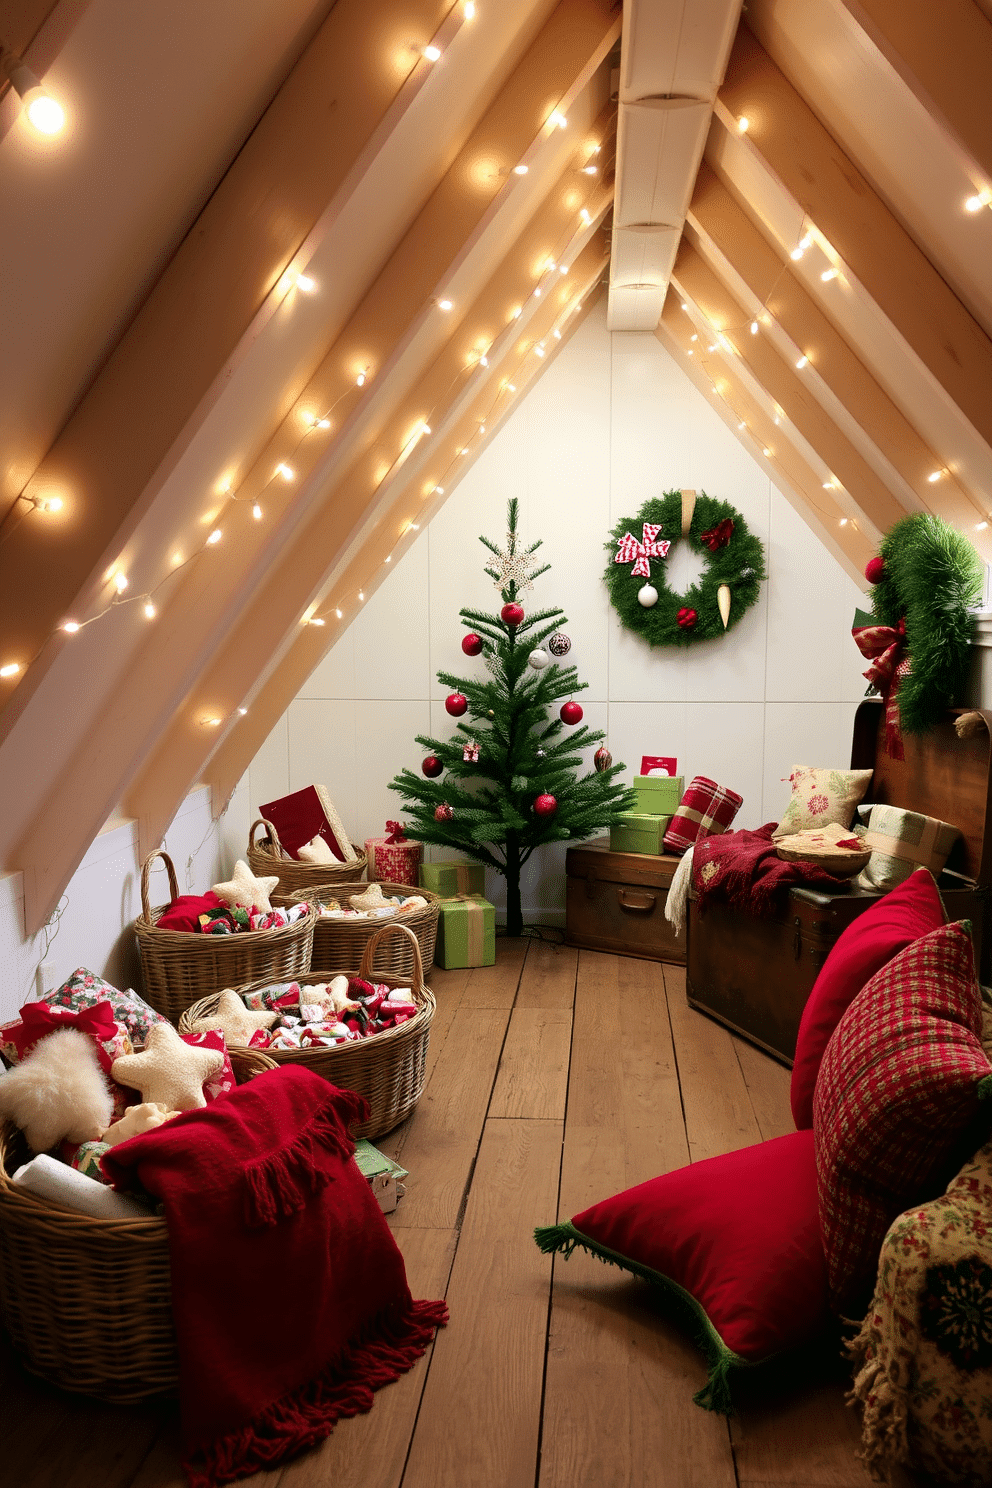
[(638, 553)]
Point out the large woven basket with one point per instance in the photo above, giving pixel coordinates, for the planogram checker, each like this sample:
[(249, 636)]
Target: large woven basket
[(339, 945), (88, 1302), (387, 1069), (266, 858), (179, 965)]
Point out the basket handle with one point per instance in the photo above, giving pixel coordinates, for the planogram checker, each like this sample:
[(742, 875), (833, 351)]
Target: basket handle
[(146, 869), (272, 834), (369, 954)]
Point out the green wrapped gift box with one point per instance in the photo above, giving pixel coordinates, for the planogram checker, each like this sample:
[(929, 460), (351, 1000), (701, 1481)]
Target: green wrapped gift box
[(451, 878), (659, 795), (466, 932), (638, 832)]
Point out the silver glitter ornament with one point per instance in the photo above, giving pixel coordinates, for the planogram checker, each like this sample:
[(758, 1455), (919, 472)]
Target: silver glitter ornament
[(559, 644)]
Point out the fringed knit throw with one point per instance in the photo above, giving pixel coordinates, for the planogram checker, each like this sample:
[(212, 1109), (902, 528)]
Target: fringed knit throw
[(744, 870), (259, 1190)]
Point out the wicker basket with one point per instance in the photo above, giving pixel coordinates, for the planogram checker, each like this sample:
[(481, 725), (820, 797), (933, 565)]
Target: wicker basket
[(180, 965), (387, 1069), (339, 945), (266, 858), (88, 1302)]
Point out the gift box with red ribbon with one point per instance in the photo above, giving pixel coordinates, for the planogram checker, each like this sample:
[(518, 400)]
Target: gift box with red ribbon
[(394, 858)]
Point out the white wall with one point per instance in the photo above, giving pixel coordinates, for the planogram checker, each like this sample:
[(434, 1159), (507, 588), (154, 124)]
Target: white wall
[(98, 908), (612, 422)]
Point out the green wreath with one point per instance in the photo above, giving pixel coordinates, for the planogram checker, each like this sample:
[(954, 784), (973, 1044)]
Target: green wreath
[(734, 557)]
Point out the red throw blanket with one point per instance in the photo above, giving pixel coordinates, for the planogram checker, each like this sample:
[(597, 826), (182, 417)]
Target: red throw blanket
[(261, 1198), (744, 869)]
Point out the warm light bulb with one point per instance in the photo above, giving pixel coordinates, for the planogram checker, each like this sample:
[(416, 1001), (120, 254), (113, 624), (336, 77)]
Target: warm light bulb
[(44, 113), (10, 669), (934, 476), (211, 722), (256, 512), (556, 333), (482, 428), (743, 124), (389, 558), (742, 424), (976, 203), (445, 304), (469, 11), (843, 522), (49, 503), (980, 526), (426, 428), (557, 119), (797, 254), (828, 274), (361, 595), (286, 471), (360, 380), (590, 170), (483, 360), (539, 350), (150, 610), (690, 352), (584, 215), (714, 347), (515, 312), (805, 241), (439, 490), (121, 582), (316, 620), (766, 452), (71, 626), (215, 536), (432, 53), (802, 362), (520, 170), (304, 282), (242, 711), (754, 328), (828, 485), (338, 613)]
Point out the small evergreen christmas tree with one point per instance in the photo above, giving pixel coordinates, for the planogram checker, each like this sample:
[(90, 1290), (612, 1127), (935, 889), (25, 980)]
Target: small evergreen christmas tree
[(507, 783)]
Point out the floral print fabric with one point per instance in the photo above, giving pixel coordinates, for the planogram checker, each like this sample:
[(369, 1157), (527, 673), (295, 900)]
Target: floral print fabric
[(822, 797)]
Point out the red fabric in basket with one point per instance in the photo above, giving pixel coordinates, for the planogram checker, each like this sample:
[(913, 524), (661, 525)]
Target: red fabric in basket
[(261, 1184)]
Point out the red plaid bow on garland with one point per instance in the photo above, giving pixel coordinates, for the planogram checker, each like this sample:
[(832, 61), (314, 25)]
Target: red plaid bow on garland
[(629, 550), (885, 647), (396, 832)]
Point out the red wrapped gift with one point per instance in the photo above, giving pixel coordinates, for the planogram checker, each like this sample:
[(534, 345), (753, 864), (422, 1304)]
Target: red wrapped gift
[(306, 814), (394, 858)]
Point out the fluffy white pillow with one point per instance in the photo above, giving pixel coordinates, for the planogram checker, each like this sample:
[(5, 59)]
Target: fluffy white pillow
[(316, 851), (58, 1091)]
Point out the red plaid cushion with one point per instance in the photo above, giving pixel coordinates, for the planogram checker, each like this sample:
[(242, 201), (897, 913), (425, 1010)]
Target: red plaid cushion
[(897, 1089), (706, 810)]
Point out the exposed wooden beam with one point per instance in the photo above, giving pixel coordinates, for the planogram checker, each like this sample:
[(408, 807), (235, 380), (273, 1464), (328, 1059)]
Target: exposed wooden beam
[(944, 55), (791, 474), (337, 105), (239, 747), (273, 619), (796, 148), (790, 390), (719, 219)]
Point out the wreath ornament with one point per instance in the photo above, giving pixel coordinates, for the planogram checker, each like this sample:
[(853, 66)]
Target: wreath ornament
[(635, 575)]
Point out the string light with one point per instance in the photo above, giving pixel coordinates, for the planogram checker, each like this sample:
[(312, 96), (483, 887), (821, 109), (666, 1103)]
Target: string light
[(316, 620), (754, 328), (48, 503), (361, 595), (120, 581), (590, 170), (432, 53), (557, 119), (694, 337), (934, 476), (286, 471), (843, 522), (150, 610), (211, 723), (828, 274), (360, 380), (586, 219), (242, 711), (215, 537), (444, 304), (304, 282), (469, 11), (42, 111), (767, 453), (742, 424), (71, 626), (976, 203), (802, 362), (10, 669), (980, 526), (256, 512), (539, 350), (743, 124), (520, 170), (338, 613)]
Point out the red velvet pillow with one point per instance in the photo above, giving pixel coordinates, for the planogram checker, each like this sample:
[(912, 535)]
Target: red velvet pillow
[(911, 910), (735, 1243), (897, 1090)]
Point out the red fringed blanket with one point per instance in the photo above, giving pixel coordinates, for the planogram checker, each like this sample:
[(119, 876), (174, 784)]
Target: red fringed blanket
[(744, 869), (260, 1195)]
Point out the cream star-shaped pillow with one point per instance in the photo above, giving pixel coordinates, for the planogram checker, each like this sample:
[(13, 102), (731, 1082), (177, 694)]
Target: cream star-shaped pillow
[(168, 1071), (371, 898), (233, 1019), (315, 851), (244, 889)]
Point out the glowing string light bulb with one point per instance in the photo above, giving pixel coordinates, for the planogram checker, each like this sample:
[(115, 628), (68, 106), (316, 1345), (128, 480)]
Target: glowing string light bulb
[(286, 471), (71, 626), (150, 610), (42, 111), (977, 202), (215, 537), (802, 362), (754, 328), (360, 380), (256, 512), (431, 53), (557, 119), (10, 669), (304, 282), (120, 581), (520, 170)]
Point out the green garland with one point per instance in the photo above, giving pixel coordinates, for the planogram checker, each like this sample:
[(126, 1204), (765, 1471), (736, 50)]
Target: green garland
[(932, 577), (740, 564)]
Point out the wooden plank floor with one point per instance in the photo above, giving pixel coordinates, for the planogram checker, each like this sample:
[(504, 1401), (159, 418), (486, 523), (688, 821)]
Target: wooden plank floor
[(555, 1078)]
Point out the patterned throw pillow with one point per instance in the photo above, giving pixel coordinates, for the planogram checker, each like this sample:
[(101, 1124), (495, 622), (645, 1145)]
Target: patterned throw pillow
[(898, 1089), (706, 810), (820, 797), (901, 841), (85, 989), (923, 1357)]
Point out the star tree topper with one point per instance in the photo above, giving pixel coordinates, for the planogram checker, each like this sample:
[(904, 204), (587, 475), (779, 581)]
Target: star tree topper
[(513, 566)]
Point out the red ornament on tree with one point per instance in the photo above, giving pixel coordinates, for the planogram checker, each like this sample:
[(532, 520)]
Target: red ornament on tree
[(471, 644), (570, 713), (686, 618), (444, 812), (511, 614), (545, 806), (432, 766), (456, 703), (875, 570)]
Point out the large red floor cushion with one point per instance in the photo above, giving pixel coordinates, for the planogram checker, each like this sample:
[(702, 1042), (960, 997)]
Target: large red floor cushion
[(897, 1095), (733, 1241), (888, 927)]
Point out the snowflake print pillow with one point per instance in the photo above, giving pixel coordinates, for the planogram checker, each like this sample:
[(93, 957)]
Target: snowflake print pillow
[(821, 798)]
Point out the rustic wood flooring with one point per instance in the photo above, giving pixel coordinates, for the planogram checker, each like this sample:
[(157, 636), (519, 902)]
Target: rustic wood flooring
[(556, 1077)]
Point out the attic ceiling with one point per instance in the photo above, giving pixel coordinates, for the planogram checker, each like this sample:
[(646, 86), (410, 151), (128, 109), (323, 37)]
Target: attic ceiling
[(289, 266)]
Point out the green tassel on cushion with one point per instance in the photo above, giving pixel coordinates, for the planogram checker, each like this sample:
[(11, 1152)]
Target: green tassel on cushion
[(721, 1361)]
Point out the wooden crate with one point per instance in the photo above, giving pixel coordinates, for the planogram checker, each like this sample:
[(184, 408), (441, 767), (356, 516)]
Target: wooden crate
[(615, 901)]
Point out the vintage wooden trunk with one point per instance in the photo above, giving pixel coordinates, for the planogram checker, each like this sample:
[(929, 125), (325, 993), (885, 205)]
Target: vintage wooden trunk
[(615, 901), (755, 975)]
